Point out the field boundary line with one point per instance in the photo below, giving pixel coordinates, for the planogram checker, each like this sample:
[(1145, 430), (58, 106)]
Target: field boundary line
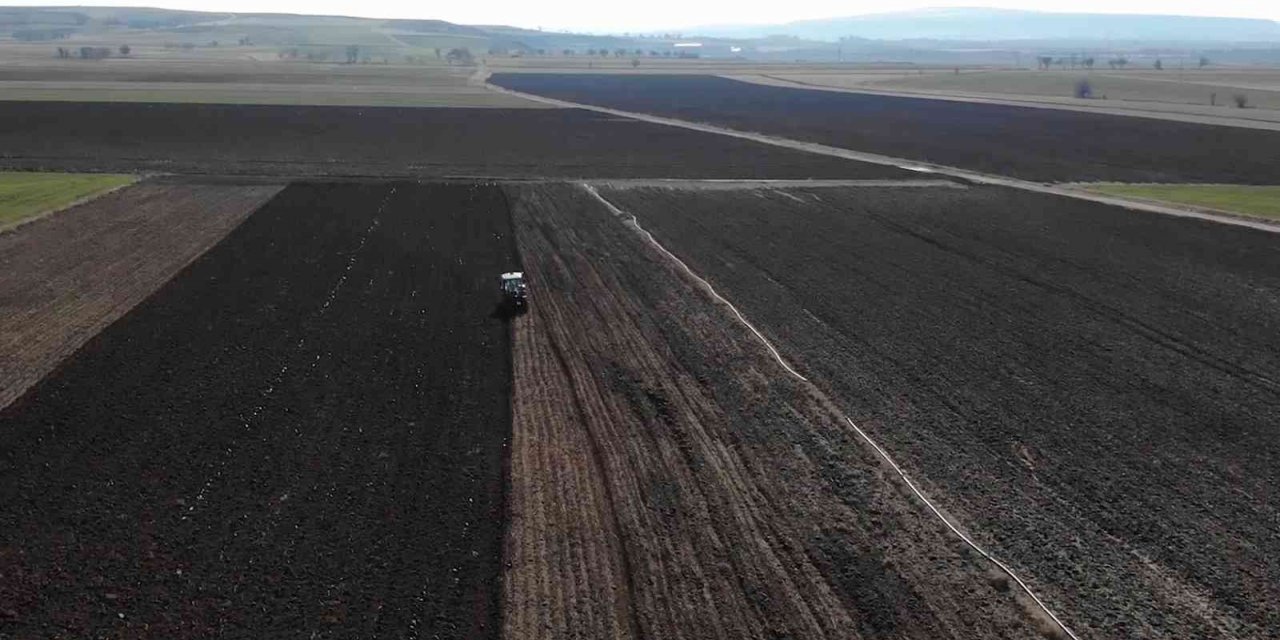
[(707, 285), (634, 221), (903, 163)]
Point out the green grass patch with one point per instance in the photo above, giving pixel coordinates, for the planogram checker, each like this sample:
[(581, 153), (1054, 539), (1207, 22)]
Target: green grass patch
[(25, 195), (1263, 202)]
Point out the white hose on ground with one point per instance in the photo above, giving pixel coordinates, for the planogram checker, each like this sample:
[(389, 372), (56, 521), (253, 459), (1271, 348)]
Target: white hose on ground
[(631, 218)]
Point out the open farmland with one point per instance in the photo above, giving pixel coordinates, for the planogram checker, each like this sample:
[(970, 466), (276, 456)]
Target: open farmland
[(27, 195), (301, 435), (385, 142), (65, 277), (1089, 392), (1257, 201), (1206, 96), (670, 480), (1046, 145), (245, 81)]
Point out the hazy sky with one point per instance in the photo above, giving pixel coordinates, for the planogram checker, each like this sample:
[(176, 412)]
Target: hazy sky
[(603, 15)]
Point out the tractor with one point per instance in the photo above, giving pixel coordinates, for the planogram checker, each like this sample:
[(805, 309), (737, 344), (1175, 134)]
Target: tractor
[(515, 292)]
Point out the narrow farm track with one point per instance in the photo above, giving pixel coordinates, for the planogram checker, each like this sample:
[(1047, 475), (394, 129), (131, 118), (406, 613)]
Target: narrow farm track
[(1091, 390), (669, 480), (66, 276), (301, 436)]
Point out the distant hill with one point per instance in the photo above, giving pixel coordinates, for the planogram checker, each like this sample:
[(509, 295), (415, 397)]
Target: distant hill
[(311, 37), (976, 24)]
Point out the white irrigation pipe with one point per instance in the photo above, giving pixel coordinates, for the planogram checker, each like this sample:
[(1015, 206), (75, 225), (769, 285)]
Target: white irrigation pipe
[(621, 214), (874, 445)]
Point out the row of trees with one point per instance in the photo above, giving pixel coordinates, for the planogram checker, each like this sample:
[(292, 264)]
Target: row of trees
[(1084, 90), (463, 56), (1085, 62), (91, 53)]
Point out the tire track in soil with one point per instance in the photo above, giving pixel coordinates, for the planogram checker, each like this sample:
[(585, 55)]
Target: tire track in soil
[(743, 505), (369, 499)]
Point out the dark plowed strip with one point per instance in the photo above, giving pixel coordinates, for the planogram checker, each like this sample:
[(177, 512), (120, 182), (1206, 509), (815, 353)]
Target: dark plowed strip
[(302, 436), (386, 141), (1044, 145)]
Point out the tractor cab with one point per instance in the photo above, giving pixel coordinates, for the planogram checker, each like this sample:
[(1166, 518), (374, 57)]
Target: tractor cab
[(515, 291)]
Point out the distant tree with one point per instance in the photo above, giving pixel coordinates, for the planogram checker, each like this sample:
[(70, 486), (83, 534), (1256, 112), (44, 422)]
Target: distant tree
[(1241, 100), (1084, 90), (653, 54), (437, 53), (459, 55), (1087, 62), (94, 53), (591, 52), (353, 54), (64, 52), (124, 50), (245, 42), (618, 53), (542, 52), (567, 52), (1204, 62), (1118, 63), (666, 54), (1044, 61), (1159, 66), (635, 62), (604, 53), (639, 52), (213, 43)]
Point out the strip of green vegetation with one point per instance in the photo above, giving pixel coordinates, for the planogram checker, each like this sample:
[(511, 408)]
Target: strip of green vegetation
[(24, 195), (1263, 202)]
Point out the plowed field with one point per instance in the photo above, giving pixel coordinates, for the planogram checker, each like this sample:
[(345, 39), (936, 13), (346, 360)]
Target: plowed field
[(65, 277), (669, 480), (385, 142), (300, 436), (1091, 392), (1045, 145)]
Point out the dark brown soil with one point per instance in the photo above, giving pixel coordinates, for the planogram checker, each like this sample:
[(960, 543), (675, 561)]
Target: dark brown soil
[(1091, 391), (670, 480), (384, 141), (300, 436), (1045, 145), (65, 277)]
